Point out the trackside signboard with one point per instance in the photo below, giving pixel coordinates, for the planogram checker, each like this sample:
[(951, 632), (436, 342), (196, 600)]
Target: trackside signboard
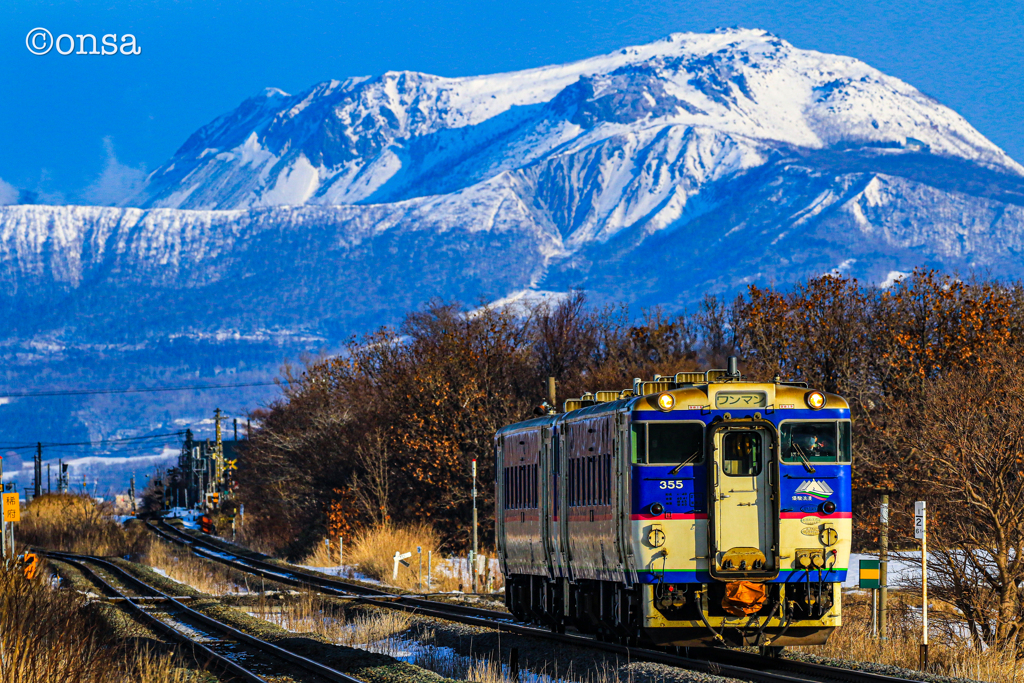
[(869, 574)]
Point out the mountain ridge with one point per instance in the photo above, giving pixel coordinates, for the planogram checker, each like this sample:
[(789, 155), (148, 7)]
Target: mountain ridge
[(701, 163)]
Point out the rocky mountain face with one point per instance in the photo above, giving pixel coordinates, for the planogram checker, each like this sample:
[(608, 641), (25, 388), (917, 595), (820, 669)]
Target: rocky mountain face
[(701, 162)]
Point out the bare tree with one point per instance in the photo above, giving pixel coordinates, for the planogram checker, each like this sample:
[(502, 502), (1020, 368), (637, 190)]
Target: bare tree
[(372, 490), (963, 441)]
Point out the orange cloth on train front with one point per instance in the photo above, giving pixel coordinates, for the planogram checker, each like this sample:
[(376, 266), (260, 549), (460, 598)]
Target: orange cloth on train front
[(744, 597)]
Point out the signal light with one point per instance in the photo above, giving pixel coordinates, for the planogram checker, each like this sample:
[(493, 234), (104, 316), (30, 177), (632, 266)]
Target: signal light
[(657, 509), (815, 400), (666, 402), (828, 507)]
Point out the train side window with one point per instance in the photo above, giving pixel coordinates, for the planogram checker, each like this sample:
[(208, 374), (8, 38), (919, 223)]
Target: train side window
[(536, 485), (742, 454), (675, 442), (845, 445), (572, 482), (813, 441)]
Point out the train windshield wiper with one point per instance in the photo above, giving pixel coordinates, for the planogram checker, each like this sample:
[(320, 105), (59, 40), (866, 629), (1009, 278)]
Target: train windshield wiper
[(803, 459), (690, 457)]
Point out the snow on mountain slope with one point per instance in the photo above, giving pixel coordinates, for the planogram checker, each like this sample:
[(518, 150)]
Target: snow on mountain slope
[(651, 175), (405, 134)]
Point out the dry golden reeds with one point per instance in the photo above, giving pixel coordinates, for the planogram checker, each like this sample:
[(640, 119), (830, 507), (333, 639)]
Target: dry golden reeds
[(371, 552), (51, 636), (853, 641), (77, 524)]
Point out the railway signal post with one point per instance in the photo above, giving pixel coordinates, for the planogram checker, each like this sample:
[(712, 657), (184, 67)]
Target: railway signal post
[(473, 557)]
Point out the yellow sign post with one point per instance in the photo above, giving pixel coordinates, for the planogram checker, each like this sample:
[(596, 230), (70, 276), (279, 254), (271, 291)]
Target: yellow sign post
[(12, 508)]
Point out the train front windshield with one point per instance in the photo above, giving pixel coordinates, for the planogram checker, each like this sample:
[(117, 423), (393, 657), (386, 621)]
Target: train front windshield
[(815, 441)]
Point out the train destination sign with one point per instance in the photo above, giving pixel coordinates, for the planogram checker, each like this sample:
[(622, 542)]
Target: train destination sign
[(739, 399)]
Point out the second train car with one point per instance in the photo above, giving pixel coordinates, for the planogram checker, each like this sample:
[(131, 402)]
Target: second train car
[(696, 509)]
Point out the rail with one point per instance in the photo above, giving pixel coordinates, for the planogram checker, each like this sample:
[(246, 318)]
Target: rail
[(186, 613), (732, 663)]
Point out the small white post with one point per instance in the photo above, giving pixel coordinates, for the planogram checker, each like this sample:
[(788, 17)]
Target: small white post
[(341, 554), (430, 558), (327, 543), (419, 577), (921, 532)]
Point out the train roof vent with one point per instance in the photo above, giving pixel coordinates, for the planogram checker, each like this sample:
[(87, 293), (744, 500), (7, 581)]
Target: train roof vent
[(627, 393), (606, 396), (689, 377), (714, 375), (583, 401), (648, 388)]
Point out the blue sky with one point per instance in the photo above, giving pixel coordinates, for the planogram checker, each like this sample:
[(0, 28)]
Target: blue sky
[(83, 128)]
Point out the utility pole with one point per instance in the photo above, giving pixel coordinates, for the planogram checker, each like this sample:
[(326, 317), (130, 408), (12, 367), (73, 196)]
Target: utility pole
[(472, 561), (39, 470), (883, 568), (131, 493), (235, 421), (49, 480), (60, 475)]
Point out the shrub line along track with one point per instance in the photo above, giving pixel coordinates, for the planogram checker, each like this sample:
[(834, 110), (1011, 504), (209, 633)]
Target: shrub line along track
[(233, 639), (729, 663)]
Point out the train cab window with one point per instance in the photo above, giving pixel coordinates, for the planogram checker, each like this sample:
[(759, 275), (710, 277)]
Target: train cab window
[(675, 442), (742, 454), (812, 441)]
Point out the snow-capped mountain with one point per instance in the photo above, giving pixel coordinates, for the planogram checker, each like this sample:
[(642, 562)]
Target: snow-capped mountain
[(701, 162)]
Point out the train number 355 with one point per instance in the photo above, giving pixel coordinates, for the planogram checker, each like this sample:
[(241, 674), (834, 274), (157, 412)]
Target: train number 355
[(670, 484)]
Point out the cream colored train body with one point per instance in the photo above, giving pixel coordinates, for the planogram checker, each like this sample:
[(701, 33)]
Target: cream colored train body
[(695, 509)]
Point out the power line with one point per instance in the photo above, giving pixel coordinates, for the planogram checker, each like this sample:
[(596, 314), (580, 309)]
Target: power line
[(90, 392), (91, 443)]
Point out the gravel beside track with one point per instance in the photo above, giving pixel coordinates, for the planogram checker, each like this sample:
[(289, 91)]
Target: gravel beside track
[(725, 662)]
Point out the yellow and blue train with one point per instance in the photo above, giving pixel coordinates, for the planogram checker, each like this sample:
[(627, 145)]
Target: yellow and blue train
[(695, 509)]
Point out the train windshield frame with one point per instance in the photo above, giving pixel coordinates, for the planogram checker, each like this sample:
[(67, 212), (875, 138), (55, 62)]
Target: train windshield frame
[(818, 441), (668, 442)]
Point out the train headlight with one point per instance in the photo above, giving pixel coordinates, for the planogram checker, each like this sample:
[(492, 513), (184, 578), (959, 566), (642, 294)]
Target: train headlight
[(657, 509), (828, 507), (666, 402), (815, 400)]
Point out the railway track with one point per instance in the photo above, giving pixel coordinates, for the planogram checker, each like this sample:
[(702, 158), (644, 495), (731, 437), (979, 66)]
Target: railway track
[(730, 663), (211, 642)]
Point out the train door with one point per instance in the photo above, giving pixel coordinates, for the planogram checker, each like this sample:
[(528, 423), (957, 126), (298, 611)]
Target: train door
[(743, 530), (548, 498)]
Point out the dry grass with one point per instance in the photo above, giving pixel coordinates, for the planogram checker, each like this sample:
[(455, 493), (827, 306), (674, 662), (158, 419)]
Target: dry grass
[(203, 575), (853, 641), (372, 551), (50, 636), (313, 613), (395, 634), (77, 524)]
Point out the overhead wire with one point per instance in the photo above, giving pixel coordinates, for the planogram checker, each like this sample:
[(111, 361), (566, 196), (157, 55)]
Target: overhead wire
[(90, 392)]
